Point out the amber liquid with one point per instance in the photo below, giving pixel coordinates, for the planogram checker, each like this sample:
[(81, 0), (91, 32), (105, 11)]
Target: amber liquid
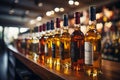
[(65, 40), (48, 52), (56, 50), (41, 50), (94, 38), (77, 49)]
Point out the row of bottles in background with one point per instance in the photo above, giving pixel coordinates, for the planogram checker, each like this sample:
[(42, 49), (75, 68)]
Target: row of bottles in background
[(58, 49), (111, 46)]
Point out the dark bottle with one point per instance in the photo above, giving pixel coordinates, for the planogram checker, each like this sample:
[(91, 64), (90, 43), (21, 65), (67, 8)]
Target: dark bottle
[(42, 44), (77, 45), (65, 40)]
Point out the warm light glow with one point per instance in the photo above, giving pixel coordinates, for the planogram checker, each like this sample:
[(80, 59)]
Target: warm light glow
[(39, 18), (23, 30), (82, 19), (107, 13), (84, 29), (61, 9), (52, 12), (99, 26), (76, 3), (32, 22), (99, 15), (108, 24), (71, 2), (48, 13), (56, 9)]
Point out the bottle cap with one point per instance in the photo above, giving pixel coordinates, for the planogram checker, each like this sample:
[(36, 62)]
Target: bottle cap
[(39, 29), (92, 13), (48, 26), (52, 25), (65, 17), (57, 22), (77, 18), (44, 27)]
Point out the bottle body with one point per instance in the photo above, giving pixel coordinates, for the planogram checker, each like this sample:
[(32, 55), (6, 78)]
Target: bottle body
[(65, 41), (92, 52), (56, 49), (77, 50)]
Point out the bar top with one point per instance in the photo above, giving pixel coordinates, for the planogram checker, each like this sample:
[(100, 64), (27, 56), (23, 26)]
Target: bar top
[(111, 70)]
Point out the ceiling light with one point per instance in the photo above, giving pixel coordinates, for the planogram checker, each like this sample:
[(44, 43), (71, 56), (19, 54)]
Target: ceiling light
[(71, 2), (32, 22), (52, 12), (56, 9), (61, 9), (48, 13), (40, 4), (11, 11), (76, 3), (39, 18)]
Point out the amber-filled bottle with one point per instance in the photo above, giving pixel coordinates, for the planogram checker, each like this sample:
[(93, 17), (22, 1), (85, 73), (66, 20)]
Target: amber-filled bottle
[(42, 45), (65, 40), (77, 45), (92, 46), (47, 44), (56, 45), (35, 44)]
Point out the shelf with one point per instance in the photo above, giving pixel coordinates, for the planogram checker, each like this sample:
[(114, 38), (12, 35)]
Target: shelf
[(46, 73)]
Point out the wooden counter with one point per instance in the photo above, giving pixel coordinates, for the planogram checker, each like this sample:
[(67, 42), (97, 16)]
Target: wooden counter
[(111, 70)]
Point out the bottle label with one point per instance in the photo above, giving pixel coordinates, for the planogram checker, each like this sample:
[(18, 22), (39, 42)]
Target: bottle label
[(88, 53), (62, 50), (74, 51), (46, 49), (42, 48), (53, 50), (35, 47)]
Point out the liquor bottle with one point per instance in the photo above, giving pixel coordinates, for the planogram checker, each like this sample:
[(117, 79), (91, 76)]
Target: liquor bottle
[(42, 45), (28, 43), (92, 46), (77, 45), (47, 44), (35, 45), (65, 45), (56, 45)]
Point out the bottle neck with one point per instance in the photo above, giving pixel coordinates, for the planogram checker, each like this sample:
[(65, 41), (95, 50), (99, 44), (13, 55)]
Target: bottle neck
[(65, 29), (77, 27), (57, 31), (92, 24)]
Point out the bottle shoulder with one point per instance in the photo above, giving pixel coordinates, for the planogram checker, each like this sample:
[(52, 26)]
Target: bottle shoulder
[(77, 33)]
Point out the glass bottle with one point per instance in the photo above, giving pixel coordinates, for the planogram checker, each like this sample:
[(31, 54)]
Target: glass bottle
[(47, 44), (35, 45), (42, 45), (65, 45), (92, 46), (56, 46), (77, 45)]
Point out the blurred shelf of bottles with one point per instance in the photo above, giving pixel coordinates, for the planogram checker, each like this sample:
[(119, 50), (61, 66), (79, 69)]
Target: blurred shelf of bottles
[(108, 24), (67, 42)]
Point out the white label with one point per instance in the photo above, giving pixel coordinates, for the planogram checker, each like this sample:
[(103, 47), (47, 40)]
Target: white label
[(88, 53), (46, 48)]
